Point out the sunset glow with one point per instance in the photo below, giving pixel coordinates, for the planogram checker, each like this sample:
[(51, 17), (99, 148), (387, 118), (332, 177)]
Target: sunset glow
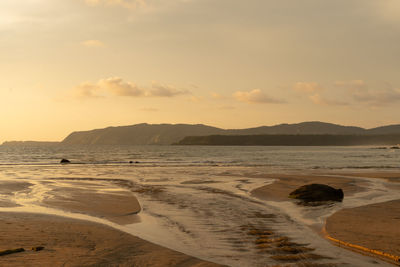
[(71, 65)]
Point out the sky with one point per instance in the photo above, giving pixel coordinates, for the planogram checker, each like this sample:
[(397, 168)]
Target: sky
[(72, 65)]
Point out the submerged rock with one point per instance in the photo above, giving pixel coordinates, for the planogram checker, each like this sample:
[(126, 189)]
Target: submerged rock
[(65, 161), (316, 193)]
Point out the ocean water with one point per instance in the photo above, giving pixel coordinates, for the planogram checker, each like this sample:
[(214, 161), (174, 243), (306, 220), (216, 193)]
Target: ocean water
[(273, 158), (205, 202)]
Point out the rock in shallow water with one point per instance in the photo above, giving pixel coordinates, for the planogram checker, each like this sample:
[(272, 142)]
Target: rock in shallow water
[(316, 193)]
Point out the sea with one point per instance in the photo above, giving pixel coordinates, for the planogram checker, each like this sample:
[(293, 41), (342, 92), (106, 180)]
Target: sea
[(205, 202)]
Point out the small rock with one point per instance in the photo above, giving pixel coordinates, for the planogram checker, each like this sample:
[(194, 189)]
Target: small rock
[(65, 161), (37, 248)]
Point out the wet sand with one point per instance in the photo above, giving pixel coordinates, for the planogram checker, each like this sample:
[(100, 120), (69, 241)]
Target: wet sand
[(116, 205), (69, 242), (72, 242), (375, 226), (286, 183)]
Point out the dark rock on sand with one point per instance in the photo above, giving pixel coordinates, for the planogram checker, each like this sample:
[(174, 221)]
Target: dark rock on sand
[(316, 193), (11, 251), (65, 161)]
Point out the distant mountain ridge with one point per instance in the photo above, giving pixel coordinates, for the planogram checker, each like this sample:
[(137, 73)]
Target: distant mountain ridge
[(166, 134)]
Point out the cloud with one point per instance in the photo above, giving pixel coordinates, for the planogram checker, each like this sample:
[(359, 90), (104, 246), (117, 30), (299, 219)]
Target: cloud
[(116, 86), (320, 100), (360, 92), (255, 96), (307, 87), (163, 90), (131, 4), (351, 84), (377, 98), (216, 95), (93, 43), (87, 90), (313, 89)]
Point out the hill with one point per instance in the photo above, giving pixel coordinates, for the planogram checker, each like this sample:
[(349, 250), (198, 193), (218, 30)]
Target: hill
[(166, 134), (140, 134), (291, 140)]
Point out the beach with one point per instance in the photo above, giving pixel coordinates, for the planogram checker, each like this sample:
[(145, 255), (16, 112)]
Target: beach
[(72, 242), (69, 242), (369, 229)]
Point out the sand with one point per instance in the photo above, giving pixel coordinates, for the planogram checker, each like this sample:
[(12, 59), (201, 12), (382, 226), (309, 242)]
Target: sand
[(372, 226), (119, 206), (69, 242), (286, 183)]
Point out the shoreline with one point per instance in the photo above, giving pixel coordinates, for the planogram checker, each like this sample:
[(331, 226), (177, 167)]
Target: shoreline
[(96, 199)]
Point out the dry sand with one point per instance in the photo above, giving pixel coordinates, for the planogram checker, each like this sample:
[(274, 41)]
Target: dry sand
[(69, 242)]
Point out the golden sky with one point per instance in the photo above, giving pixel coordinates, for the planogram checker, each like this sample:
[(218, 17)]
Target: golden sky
[(71, 65)]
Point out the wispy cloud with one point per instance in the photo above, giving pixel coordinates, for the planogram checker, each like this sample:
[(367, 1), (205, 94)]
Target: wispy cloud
[(377, 98), (355, 84), (216, 96), (314, 91), (307, 87), (255, 96), (360, 92), (93, 43), (116, 86), (320, 100)]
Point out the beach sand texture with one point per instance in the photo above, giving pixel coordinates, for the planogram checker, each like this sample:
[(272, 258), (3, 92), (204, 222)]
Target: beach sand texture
[(70, 242), (375, 226)]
